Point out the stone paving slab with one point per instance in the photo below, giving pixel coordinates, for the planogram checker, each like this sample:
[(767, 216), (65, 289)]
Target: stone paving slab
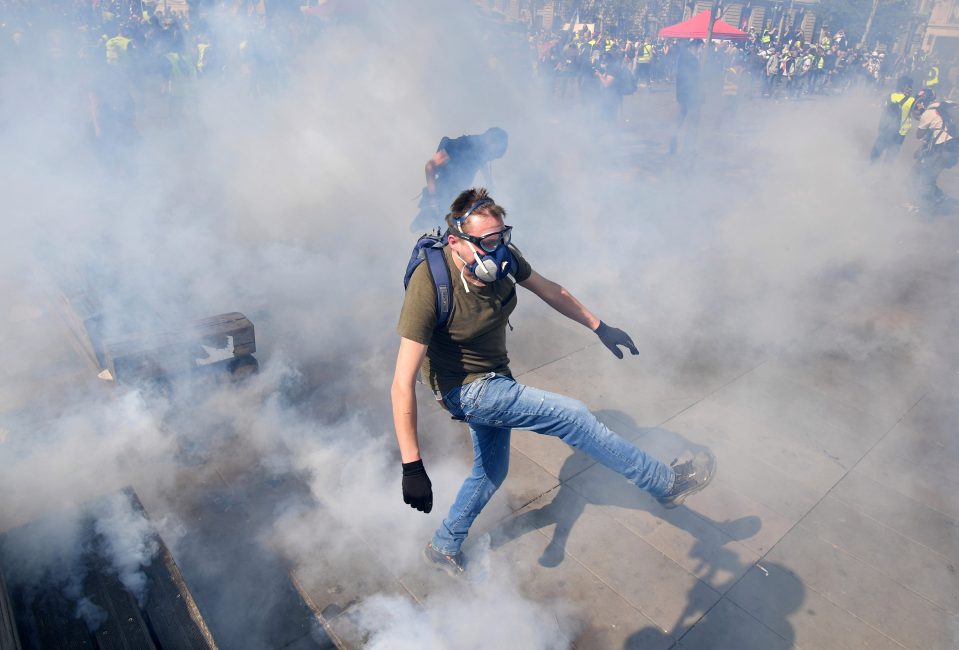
[(864, 591), (806, 468), (931, 490), (739, 489), (909, 563), (929, 451), (529, 321), (747, 468), (885, 387), (621, 559), (906, 516), (609, 622), (525, 483), (606, 383), (777, 597), (835, 430), (728, 627), (690, 539)]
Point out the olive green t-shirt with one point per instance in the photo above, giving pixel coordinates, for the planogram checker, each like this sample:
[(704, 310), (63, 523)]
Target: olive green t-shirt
[(473, 342)]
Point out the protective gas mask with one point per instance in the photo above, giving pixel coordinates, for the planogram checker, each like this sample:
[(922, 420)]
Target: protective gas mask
[(493, 266), (492, 257)]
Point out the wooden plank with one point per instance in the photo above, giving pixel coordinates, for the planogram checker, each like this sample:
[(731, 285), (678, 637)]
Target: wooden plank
[(123, 628), (9, 639), (171, 610), (75, 311), (49, 621), (207, 340), (168, 618)]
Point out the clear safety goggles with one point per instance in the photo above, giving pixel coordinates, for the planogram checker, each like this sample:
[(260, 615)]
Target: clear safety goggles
[(490, 242)]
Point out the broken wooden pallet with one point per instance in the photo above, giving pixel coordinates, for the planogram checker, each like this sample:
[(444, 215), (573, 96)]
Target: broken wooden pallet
[(41, 615)]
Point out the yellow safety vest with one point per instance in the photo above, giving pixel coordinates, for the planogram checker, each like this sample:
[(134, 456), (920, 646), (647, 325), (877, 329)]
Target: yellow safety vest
[(821, 63), (647, 54), (201, 49), (905, 111), (933, 77), (180, 75), (766, 38), (116, 47)]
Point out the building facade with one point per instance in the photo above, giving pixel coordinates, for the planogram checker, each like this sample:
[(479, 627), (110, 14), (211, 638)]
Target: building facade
[(941, 39)]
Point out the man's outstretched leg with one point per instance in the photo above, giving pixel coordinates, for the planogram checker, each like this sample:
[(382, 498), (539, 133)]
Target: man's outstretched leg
[(505, 402)]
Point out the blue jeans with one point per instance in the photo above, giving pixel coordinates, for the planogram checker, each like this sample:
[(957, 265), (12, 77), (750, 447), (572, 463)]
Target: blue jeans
[(492, 406)]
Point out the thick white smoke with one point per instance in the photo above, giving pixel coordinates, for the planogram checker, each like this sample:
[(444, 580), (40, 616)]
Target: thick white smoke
[(293, 207)]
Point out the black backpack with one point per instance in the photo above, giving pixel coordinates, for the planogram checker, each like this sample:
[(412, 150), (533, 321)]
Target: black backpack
[(946, 111), (627, 81), (429, 248)]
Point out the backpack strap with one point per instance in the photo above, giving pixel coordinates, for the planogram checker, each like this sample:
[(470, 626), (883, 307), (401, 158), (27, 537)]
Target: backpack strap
[(441, 282)]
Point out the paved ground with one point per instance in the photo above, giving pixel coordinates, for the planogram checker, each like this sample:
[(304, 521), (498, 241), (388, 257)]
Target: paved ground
[(832, 522)]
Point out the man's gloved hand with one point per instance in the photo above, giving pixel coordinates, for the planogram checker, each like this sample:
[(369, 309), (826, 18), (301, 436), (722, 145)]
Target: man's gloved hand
[(417, 488), (613, 337)]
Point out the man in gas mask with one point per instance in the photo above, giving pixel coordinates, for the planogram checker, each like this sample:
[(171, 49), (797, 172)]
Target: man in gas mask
[(465, 363)]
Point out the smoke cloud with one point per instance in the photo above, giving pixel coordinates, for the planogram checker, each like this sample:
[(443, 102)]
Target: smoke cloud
[(288, 197)]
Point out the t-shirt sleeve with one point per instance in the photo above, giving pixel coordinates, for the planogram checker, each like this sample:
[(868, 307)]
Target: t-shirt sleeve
[(418, 316), (444, 144), (523, 268)]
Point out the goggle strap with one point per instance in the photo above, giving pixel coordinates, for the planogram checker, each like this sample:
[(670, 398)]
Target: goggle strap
[(472, 208)]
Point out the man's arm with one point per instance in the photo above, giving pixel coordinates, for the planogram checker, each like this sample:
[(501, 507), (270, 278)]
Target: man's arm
[(563, 301), (560, 299), (439, 159), (403, 394)]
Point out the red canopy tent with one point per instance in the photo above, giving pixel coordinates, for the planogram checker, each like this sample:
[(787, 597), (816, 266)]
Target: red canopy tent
[(698, 27)]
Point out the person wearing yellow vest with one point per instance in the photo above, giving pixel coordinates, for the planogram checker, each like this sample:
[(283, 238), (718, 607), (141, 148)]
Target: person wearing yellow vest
[(932, 79), (118, 46), (180, 74), (895, 123), (644, 60)]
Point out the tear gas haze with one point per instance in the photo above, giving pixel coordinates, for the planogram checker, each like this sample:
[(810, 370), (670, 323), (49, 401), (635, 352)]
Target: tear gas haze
[(288, 196)]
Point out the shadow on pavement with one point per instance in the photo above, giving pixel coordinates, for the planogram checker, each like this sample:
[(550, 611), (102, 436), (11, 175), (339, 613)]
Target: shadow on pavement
[(713, 560)]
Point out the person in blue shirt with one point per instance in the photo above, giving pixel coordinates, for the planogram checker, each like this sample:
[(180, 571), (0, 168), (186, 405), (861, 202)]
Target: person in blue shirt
[(453, 167)]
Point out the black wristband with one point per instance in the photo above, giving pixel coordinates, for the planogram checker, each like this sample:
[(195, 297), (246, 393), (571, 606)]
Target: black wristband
[(416, 467)]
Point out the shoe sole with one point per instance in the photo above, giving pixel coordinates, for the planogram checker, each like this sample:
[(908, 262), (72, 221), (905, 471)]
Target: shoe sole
[(678, 501)]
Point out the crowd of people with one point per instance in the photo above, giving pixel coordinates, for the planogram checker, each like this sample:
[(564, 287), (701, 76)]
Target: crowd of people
[(130, 63), (134, 62), (593, 66), (599, 70)]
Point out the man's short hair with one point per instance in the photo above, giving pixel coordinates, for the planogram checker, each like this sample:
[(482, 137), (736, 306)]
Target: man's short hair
[(461, 204)]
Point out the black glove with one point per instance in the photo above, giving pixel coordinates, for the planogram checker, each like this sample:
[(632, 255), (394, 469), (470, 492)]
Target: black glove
[(417, 488), (612, 337)]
